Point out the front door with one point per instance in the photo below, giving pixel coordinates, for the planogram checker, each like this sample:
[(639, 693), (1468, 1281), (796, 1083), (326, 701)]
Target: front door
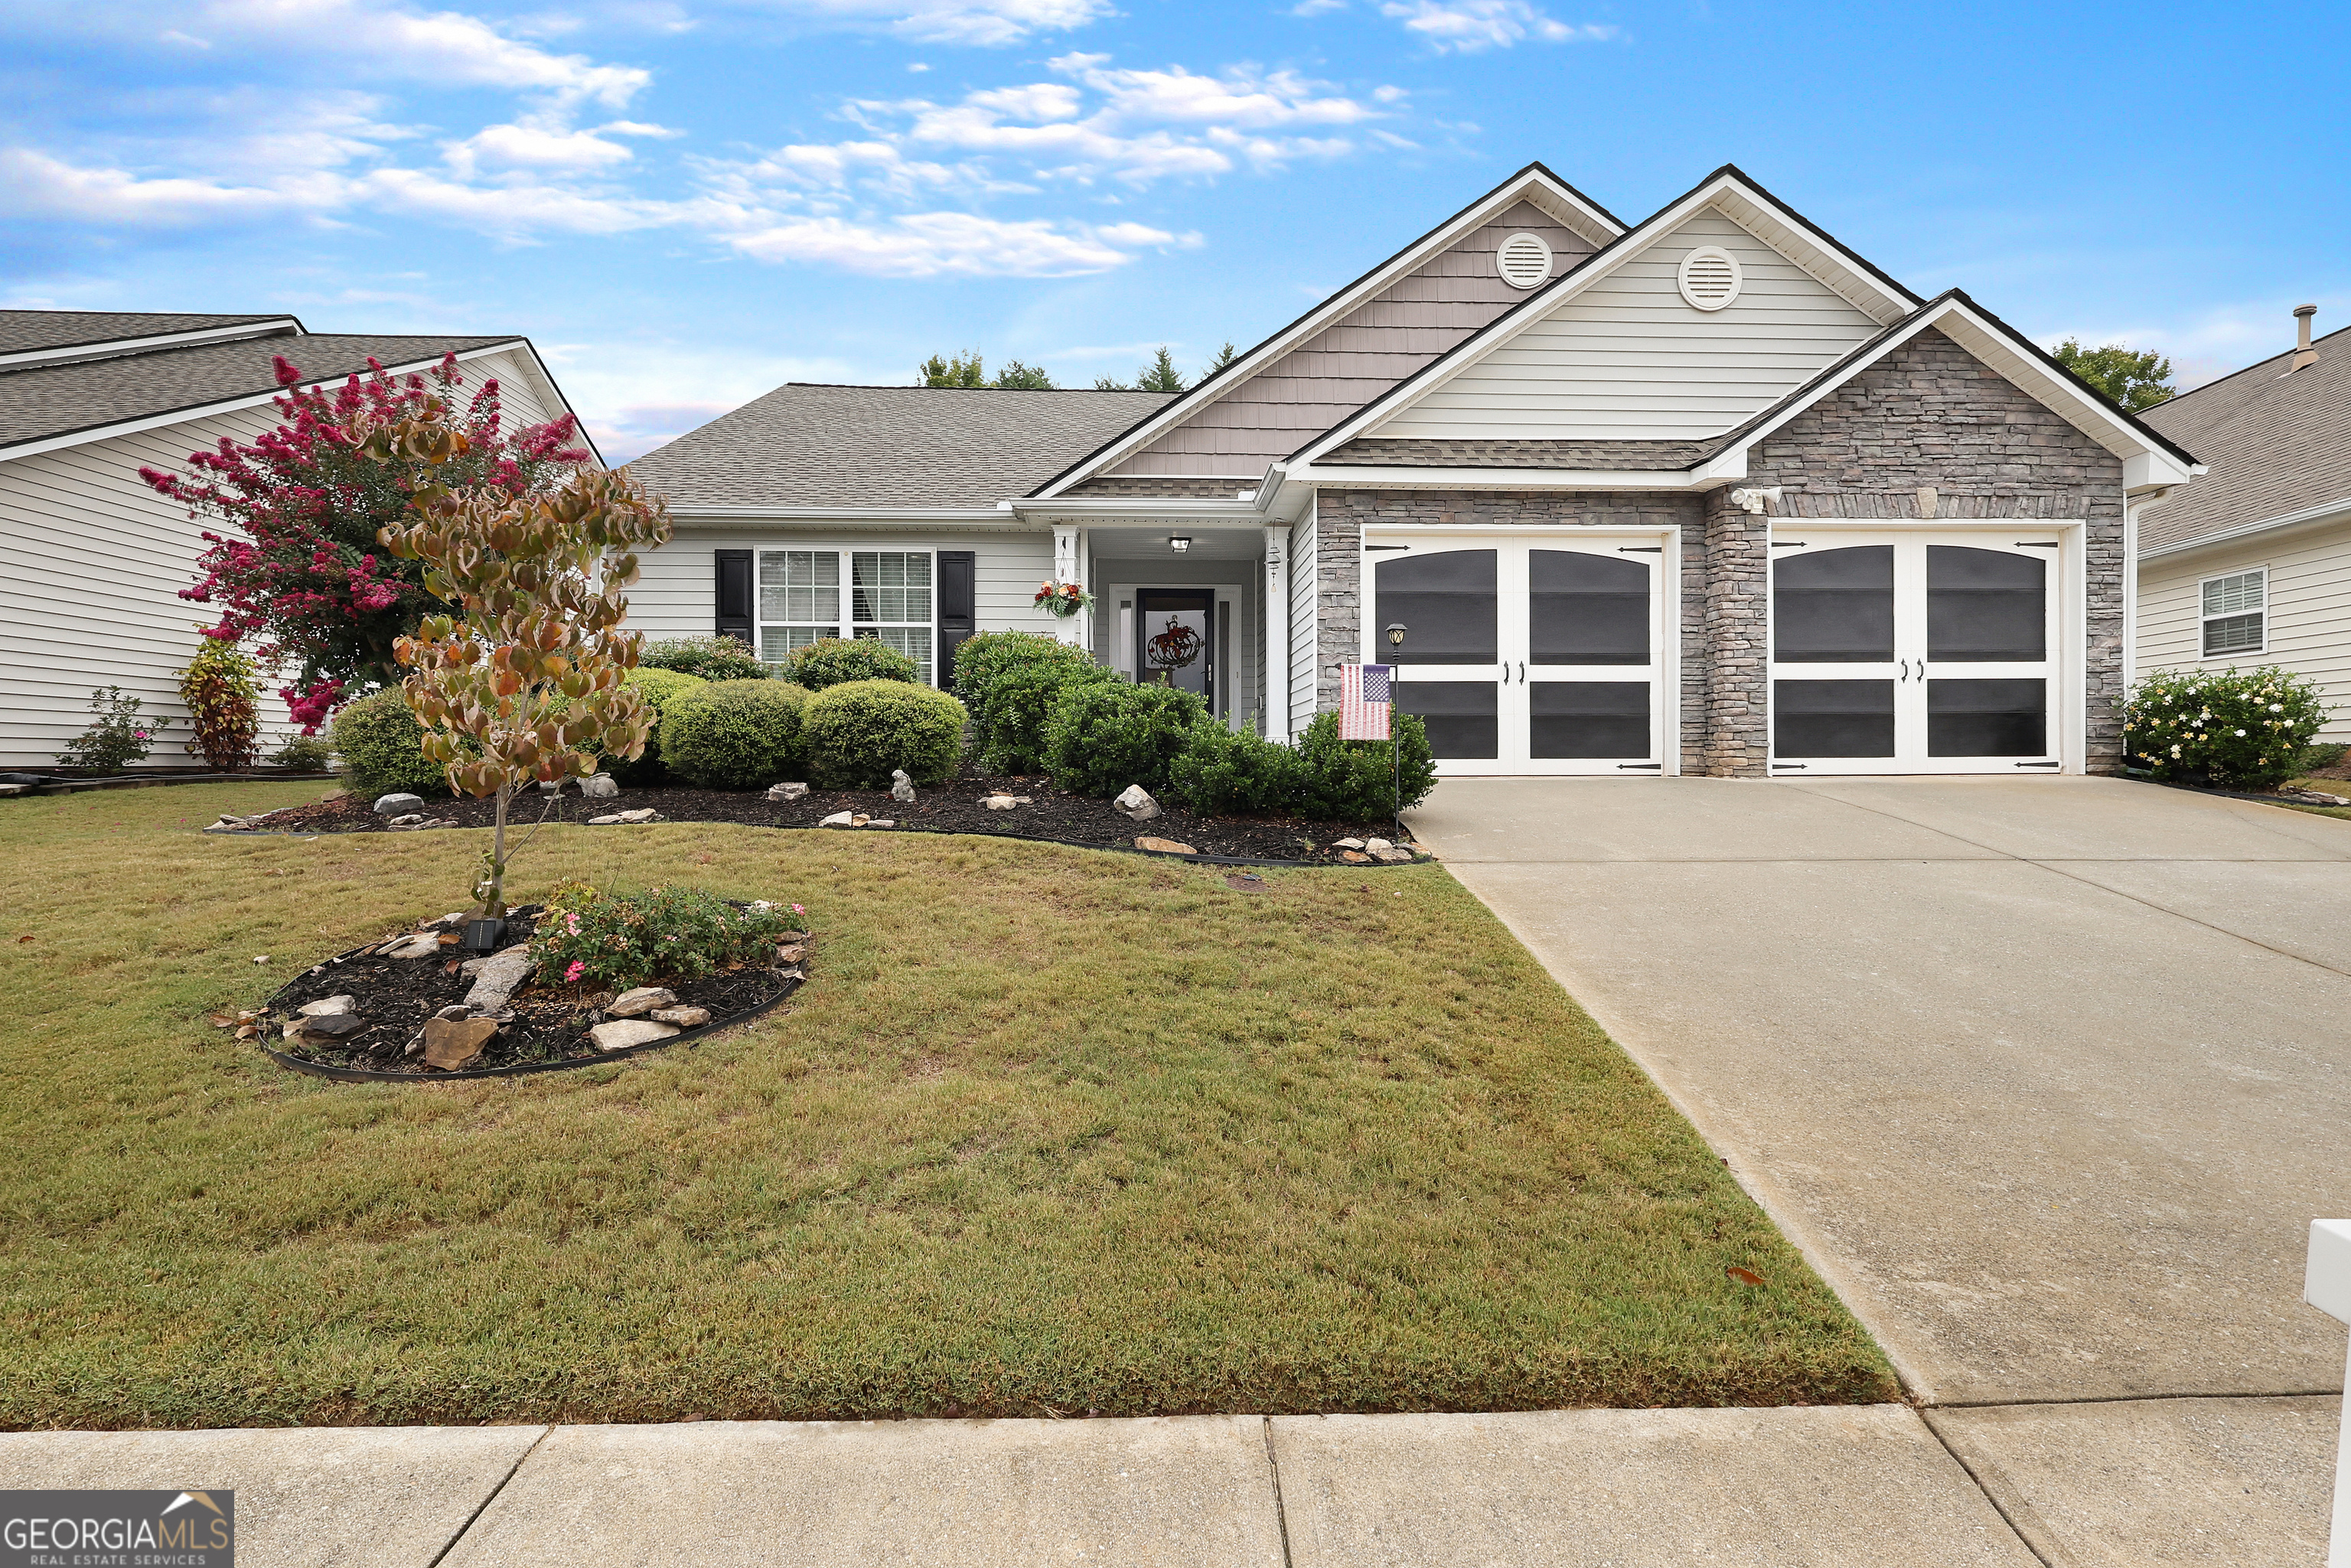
[(1913, 651), (1523, 655), (1176, 640)]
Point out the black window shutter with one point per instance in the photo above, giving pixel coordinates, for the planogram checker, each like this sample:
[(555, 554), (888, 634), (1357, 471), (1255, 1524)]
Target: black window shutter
[(735, 594), (958, 606)]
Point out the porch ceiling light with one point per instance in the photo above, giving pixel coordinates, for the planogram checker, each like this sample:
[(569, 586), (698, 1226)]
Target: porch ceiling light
[(1179, 543)]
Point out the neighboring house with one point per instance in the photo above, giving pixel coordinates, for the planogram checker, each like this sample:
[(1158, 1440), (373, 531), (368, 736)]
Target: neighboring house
[(1706, 493), (91, 559), (2251, 564)]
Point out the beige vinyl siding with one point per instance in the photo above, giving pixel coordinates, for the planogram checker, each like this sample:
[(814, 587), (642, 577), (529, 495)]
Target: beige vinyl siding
[(1628, 359), (2308, 611), (677, 596), (91, 564), (1352, 361), (1303, 656)]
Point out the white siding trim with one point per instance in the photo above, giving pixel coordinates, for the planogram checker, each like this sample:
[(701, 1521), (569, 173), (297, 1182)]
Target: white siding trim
[(1305, 659)]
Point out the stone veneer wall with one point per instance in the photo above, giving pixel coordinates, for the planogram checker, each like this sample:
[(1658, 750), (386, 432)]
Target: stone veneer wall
[(1932, 414)]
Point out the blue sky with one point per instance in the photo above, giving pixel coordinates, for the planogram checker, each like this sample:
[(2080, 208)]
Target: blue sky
[(686, 201)]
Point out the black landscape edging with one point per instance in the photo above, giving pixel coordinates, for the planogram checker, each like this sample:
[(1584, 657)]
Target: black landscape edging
[(810, 827), (143, 781), (521, 1069), (2241, 795)]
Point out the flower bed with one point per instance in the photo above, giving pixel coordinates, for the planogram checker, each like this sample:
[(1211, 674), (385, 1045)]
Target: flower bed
[(391, 991), (953, 806)]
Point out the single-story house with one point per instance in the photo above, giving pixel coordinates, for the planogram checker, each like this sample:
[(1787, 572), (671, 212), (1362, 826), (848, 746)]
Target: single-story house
[(1708, 493), (91, 559), (2251, 564)]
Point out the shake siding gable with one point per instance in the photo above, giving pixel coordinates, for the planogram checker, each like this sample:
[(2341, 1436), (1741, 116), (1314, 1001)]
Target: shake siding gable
[(1628, 357), (1354, 359)]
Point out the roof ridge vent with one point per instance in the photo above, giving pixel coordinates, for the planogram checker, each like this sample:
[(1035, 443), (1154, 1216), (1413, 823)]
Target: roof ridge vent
[(1711, 277)]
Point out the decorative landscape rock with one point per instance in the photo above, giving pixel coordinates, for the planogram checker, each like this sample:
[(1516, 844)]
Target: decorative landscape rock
[(451, 1045), (685, 1018), (326, 1004), (1354, 857), (1348, 844), (1391, 856), (1137, 803), (642, 814), (397, 805), (877, 821), (901, 787), (840, 820), (643, 999), (623, 1033), (500, 976), (1004, 802), (1165, 846), (327, 1026), (1374, 846), (419, 945), (602, 787), (783, 794)]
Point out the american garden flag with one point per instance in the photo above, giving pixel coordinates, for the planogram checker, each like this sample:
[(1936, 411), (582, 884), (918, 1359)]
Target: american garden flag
[(1364, 702)]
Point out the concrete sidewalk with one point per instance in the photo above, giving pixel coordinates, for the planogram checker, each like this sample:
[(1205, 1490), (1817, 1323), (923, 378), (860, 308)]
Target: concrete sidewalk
[(2047, 1077)]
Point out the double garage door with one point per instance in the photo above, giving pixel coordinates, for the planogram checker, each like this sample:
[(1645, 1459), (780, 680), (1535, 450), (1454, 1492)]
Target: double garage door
[(1888, 652)]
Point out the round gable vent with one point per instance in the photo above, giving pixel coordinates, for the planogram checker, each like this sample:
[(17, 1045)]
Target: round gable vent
[(1523, 261), (1711, 277)]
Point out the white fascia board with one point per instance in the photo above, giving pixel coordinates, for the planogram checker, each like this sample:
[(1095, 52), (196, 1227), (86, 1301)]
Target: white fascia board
[(108, 349), (1399, 478), (2320, 516), (226, 405), (1337, 306), (1109, 508), (997, 517), (1873, 300)]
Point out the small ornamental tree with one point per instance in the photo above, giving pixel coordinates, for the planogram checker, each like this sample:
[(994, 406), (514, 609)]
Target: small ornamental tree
[(222, 697), (302, 573), (527, 683)]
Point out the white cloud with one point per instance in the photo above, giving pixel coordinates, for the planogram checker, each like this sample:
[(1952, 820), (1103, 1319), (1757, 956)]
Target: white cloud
[(545, 142), (970, 22), (40, 185), (1464, 27), (932, 245)]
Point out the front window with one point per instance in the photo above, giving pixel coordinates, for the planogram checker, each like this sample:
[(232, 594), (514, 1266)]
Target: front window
[(889, 599), (2236, 611)]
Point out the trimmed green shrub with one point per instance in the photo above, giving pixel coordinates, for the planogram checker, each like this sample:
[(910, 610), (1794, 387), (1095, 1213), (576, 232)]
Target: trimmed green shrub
[(611, 941), (705, 658), (734, 734), (1103, 737), (659, 688), (837, 661), (1009, 681), (2239, 729), (304, 754), (1356, 780), (1221, 770), (859, 731), (383, 748)]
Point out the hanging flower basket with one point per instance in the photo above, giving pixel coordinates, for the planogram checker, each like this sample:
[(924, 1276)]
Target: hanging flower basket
[(1062, 598)]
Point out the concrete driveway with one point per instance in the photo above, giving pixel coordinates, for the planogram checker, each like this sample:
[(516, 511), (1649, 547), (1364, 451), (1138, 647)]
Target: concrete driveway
[(2047, 1076)]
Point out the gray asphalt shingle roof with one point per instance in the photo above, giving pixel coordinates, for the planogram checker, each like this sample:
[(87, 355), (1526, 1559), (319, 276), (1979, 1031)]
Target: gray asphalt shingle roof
[(2276, 443), (1397, 452), (811, 446), (24, 332), (37, 401)]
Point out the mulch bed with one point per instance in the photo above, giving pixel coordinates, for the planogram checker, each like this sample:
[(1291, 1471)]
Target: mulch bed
[(953, 807), (546, 1025)]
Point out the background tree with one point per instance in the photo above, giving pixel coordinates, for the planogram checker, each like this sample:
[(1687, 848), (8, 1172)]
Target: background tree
[(527, 683), (1225, 356), (1160, 376), (968, 371), (303, 572), (2132, 381), (1017, 377)]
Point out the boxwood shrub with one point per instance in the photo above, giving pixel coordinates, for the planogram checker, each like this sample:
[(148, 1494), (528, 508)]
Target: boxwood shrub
[(734, 734), (1222, 771), (1009, 681), (383, 748), (710, 658), (1104, 736), (1356, 780), (859, 731), (2238, 729), (837, 661), (658, 688)]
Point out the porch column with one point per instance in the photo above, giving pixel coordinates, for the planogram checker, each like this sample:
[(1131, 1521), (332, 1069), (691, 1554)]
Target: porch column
[(1069, 543), (1737, 594), (1276, 632)]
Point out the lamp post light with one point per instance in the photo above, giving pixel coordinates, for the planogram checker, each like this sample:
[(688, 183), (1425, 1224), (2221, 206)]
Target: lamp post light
[(1395, 633)]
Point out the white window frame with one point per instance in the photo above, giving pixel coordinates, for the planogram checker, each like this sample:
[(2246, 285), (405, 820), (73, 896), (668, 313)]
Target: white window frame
[(843, 622), (2204, 618), (930, 590)]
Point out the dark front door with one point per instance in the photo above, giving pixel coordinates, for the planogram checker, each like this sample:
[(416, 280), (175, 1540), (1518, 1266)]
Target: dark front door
[(1176, 640)]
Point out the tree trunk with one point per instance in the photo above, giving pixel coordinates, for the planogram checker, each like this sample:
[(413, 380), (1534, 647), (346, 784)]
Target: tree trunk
[(494, 886)]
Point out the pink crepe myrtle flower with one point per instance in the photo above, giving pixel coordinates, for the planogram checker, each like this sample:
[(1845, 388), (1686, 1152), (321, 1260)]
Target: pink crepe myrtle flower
[(572, 976)]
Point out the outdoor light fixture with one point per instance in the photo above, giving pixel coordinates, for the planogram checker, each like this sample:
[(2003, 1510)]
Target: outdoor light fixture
[(1179, 543), (1395, 633)]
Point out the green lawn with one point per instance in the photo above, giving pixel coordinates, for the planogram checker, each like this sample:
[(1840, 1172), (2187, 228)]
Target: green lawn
[(1050, 1132)]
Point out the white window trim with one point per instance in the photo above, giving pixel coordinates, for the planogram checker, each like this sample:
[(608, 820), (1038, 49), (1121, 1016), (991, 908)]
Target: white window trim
[(845, 623), (2203, 619)]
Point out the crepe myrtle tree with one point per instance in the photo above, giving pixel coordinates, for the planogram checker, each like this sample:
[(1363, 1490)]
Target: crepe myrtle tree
[(525, 681), (300, 571)]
